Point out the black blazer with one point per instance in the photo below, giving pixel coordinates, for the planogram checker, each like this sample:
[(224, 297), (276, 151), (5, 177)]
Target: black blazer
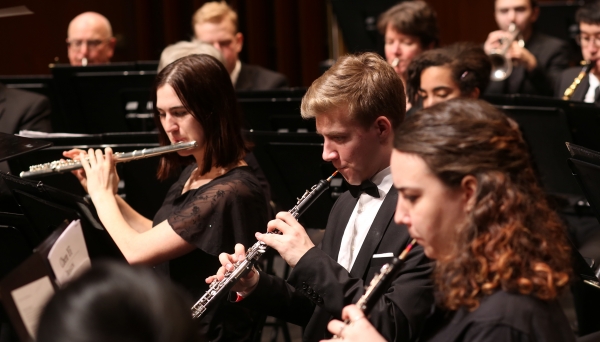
[(552, 56), (318, 287), (566, 79), (254, 77), (501, 316), (21, 109)]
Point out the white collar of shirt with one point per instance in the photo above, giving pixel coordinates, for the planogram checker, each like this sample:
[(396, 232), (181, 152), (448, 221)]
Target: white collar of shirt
[(590, 96), (236, 72), (362, 217)]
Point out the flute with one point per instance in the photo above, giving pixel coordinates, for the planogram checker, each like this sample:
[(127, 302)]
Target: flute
[(59, 166), (242, 267)]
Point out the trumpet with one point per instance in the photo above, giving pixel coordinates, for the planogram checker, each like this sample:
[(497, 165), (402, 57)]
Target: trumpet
[(59, 166), (501, 66), (587, 67)]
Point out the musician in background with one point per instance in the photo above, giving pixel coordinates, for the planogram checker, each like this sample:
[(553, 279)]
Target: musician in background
[(215, 203), (458, 70), (538, 63), (216, 23), (409, 28), (90, 40), (357, 104), (468, 194), (588, 19)]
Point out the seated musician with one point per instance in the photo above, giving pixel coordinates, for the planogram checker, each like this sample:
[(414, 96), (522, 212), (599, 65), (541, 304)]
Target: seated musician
[(216, 202), (117, 302), (90, 40), (588, 19), (356, 104), (538, 59), (409, 28), (468, 194), (458, 70)]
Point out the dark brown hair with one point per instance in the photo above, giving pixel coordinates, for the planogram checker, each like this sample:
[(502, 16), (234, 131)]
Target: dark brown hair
[(512, 240), (415, 18), (204, 87), (470, 66), (589, 13), (364, 84)]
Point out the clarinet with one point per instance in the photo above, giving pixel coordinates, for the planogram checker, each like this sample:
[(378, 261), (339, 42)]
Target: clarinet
[(587, 67), (242, 267), (382, 281)]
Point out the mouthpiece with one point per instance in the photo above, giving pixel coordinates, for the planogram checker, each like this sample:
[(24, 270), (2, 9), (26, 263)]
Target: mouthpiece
[(395, 62)]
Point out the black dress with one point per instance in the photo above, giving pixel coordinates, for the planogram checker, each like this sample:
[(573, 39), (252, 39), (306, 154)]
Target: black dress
[(501, 317), (214, 217)]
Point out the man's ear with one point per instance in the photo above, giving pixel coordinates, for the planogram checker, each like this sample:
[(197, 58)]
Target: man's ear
[(239, 37), (383, 126), (468, 186), (535, 13)]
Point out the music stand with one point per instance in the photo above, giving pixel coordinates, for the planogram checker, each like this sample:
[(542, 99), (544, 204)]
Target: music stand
[(274, 110)]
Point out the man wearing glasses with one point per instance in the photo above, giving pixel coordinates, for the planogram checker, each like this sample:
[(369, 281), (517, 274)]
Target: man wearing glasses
[(588, 19), (90, 40)]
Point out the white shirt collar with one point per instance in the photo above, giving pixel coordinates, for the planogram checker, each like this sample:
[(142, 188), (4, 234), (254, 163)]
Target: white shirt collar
[(383, 180), (236, 72)]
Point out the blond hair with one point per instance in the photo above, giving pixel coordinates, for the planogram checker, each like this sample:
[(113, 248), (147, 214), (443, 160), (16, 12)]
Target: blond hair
[(215, 12), (364, 84)]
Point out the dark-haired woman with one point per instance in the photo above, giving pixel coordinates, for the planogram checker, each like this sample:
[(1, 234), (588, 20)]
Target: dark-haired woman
[(459, 70), (468, 194), (216, 203)]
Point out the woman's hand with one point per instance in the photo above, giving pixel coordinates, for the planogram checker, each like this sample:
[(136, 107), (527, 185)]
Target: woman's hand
[(245, 284), (358, 327), (100, 172), (75, 154)]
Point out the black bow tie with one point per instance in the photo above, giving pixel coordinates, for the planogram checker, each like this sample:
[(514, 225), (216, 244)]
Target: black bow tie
[(367, 187)]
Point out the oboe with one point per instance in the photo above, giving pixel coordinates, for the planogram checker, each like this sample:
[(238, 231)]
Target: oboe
[(587, 67), (58, 166), (242, 267)]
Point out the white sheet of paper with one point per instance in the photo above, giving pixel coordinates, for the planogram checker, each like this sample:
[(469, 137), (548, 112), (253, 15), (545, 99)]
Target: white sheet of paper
[(30, 300), (69, 256)]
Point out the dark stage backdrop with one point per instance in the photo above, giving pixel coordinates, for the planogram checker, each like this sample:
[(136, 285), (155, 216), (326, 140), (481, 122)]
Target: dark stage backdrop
[(289, 36)]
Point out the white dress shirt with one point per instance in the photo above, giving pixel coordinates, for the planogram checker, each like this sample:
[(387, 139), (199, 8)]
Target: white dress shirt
[(236, 72), (361, 219), (590, 96)]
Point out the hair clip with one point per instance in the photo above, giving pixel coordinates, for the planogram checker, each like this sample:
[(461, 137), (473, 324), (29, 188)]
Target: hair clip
[(464, 74)]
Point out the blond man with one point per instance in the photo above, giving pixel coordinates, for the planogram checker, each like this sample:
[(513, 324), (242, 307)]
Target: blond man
[(216, 23)]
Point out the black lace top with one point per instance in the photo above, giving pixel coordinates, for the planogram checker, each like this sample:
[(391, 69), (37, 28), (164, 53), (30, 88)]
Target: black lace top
[(214, 217)]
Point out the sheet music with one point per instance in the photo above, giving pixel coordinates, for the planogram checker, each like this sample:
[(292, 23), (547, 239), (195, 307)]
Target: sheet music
[(69, 256), (30, 300)]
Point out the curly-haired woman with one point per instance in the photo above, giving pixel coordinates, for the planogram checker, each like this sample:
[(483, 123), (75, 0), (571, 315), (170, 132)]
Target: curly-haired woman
[(469, 196)]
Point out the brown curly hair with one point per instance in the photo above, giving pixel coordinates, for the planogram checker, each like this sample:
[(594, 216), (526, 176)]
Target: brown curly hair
[(512, 240)]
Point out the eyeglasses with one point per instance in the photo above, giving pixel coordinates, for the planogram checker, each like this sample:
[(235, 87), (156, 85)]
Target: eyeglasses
[(585, 40), (92, 44)]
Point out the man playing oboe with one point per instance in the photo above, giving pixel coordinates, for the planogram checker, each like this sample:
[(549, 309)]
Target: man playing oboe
[(357, 105)]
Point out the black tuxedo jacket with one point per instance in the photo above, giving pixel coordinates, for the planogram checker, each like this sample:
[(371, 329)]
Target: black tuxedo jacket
[(318, 287), (567, 78), (552, 56), (254, 77), (21, 109)]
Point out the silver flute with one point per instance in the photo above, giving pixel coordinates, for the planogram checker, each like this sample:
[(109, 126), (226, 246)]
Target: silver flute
[(58, 166), (241, 268)]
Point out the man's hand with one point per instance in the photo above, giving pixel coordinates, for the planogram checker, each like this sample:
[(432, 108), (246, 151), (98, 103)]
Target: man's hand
[(494, 41), (245, 284), (293, 242), (521, 56)]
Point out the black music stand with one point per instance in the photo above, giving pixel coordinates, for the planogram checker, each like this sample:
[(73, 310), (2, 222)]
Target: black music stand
[(274, 110), (41, 84)]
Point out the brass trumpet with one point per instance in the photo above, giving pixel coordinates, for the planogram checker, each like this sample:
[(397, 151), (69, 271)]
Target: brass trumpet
[(501, 66)]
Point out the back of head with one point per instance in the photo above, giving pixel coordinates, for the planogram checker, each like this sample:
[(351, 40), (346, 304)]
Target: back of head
[(469, 64), (414, 18), (184, 48), (510, 215), (117, 302), (215, 12), (365, 85), (589, 13)]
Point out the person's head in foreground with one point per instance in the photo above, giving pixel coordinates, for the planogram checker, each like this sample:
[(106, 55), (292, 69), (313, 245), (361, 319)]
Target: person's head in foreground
[(184, 48), (356, 104), (458, 70), (90, 40), (195, 101), (468, 194), (117, 302)]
